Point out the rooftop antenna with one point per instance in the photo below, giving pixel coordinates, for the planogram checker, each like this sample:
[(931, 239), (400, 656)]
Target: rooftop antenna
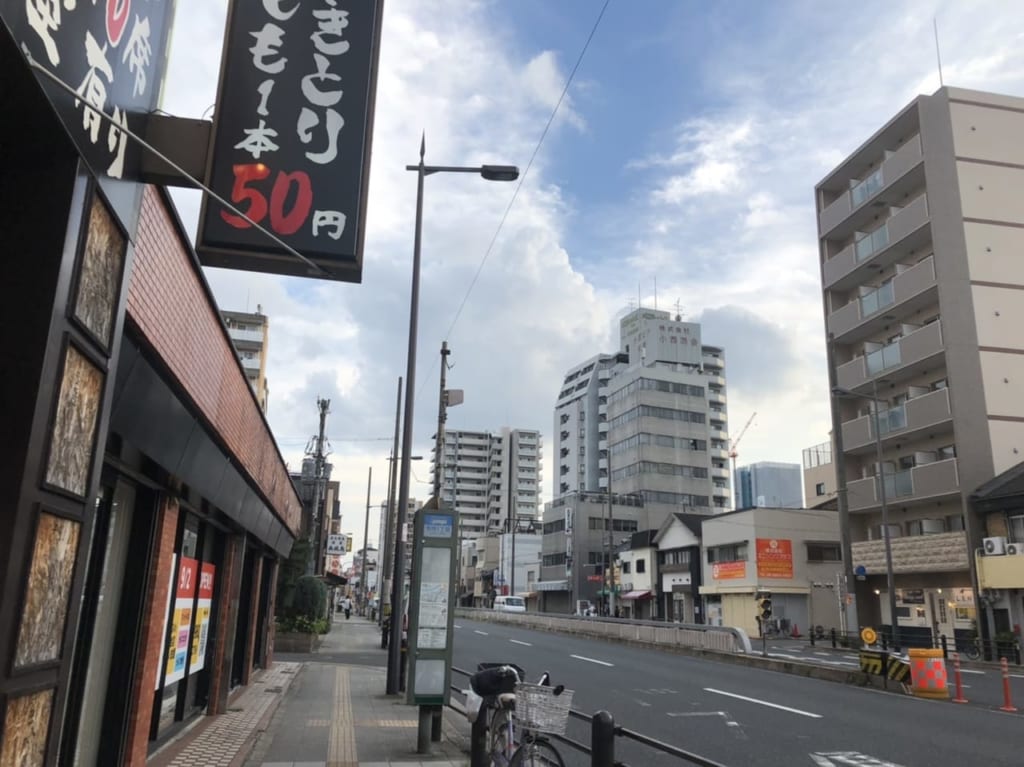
[(938, 54), (679, 310), (639, 301), (655, 294)]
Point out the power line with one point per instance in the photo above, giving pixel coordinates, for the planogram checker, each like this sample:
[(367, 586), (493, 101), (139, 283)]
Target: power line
[(519, 186)]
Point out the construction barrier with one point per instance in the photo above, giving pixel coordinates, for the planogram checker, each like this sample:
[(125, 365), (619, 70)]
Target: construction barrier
[(928, 673)]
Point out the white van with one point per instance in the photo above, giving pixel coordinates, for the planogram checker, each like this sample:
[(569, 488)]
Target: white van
[(510, 604)]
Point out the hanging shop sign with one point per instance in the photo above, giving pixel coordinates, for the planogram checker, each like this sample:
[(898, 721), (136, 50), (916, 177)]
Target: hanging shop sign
[(113, 53), (291, 137)]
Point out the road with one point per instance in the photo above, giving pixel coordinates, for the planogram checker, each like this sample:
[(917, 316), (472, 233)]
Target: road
[(744, 716)]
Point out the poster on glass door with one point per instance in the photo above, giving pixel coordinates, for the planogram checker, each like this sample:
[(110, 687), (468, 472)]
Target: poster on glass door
[(181, 620), (203, 608)]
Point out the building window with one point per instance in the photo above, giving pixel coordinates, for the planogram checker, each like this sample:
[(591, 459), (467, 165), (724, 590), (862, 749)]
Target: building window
[(819, 489), (641, 566), (946, 452), (824, 552), (894, 532), (1016, 525), (955, 523), (553, 560), (676, 557), (926, 526), (735, 552), (625, 568)]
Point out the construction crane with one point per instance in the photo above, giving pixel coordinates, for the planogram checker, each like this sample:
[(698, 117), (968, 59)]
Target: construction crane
[(735, 443)]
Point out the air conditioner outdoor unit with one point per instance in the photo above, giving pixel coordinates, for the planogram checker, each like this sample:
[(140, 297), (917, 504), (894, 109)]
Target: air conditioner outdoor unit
[(994, 546), (1017, 549)]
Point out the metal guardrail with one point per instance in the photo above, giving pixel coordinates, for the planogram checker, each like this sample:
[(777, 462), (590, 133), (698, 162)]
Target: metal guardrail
[(696, 636), (603, 732), (969, 648)]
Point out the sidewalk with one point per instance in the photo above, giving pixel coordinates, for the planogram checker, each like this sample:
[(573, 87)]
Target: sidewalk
[(327, 709)]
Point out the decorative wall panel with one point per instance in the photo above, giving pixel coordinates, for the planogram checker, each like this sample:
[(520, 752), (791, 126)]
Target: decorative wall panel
[(25, 728), (49, 583), (100, 276), (71, 444)]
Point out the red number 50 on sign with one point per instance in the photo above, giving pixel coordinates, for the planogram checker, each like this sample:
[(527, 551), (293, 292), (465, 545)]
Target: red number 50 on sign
[(282, 222)]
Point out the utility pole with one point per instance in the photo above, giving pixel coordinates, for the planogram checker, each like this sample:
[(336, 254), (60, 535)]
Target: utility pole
[(315, 565), (515, 525), (389, 522), (366, 545)]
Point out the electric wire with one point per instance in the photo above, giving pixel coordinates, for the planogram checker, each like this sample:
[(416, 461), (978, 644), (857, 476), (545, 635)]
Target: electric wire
[(519, 186)]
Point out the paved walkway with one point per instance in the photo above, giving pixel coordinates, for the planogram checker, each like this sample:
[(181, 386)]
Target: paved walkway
[(327, 709)]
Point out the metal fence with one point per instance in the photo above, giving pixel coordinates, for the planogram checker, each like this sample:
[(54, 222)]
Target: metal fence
[(968, 646), (601, 750)]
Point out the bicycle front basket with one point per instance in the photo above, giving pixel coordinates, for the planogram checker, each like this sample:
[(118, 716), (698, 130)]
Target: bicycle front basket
[(538, 708)]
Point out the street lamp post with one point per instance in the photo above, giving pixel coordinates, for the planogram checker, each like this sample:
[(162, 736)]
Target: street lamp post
[(490, 173), (886, 537)]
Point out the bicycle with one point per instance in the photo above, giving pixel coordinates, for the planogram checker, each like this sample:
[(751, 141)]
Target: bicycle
[(501, 688), (970, 648)]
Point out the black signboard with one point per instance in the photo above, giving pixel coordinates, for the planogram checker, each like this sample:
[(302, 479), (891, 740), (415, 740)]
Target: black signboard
[(292, 132), (113, 54)]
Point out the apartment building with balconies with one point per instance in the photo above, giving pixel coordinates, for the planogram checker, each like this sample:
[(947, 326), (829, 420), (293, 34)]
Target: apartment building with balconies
[(250, 335), (920, 234), (492, 478)]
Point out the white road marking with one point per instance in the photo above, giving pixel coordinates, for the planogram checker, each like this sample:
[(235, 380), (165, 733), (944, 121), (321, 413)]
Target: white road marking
[(851, 758), (481, 633), (591, 660), (971, 671), (642, 703), (516, 641), (763, 703), (851, 657), (825, 654), (1015, 676), (456, 625)]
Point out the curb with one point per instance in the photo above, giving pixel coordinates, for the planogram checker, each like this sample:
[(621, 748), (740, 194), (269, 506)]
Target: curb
[(246, 749)]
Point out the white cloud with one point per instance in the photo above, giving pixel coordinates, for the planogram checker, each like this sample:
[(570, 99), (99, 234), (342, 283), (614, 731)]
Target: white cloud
[(720, 213)]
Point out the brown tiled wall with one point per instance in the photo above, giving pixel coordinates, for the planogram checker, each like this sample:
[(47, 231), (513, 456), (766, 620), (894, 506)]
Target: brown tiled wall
[(227, 621), (167, 301), (152, 651)]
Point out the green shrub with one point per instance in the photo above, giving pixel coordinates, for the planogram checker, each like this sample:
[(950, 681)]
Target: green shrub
[(310, 600), (300, 624)]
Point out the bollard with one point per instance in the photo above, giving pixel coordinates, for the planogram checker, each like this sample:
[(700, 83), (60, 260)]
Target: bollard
[(1007, 703), (602, 740), (478, 756), (956, 677), (943, 645), (833, 633), (811, 633), (435, 725), (423, 730)]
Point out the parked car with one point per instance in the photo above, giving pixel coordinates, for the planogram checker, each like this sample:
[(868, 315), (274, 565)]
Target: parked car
[(510, 604)]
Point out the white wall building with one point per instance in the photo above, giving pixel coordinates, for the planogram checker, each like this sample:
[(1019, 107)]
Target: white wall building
[(491, 478), (652, 416)]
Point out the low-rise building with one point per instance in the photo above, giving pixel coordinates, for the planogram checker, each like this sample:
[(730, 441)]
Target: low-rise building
[(679, 568), (636, 577), (794, 554)]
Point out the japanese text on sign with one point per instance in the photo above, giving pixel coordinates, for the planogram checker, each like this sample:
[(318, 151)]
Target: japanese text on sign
[(292, 128)]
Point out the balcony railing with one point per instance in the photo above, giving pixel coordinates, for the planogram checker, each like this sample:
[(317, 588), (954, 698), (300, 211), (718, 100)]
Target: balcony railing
[(904, 286), (926, 481), (942, 552), (894, 166), (882, 240), (1000, 572), (919, 345), (918, 413)]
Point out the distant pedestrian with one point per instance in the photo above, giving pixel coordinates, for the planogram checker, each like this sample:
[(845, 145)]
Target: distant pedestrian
[(346, 605)]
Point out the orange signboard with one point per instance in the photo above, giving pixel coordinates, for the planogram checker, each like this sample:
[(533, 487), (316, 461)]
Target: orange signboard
[(724, 571), (774, 558)]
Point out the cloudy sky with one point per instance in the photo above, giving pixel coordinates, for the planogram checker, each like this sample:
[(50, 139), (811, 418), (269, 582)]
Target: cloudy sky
[(679, 169)]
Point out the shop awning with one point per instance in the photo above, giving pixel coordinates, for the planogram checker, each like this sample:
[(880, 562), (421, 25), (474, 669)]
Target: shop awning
[(552, 585), (637, 595)]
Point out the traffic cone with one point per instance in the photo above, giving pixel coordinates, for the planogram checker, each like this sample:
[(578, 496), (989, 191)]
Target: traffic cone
[(795, 633)]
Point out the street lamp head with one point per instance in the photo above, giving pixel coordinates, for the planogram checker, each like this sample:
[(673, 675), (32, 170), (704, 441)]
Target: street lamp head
[(499, 172)]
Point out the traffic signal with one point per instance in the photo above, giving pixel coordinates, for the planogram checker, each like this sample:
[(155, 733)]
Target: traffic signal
[(764, 606)]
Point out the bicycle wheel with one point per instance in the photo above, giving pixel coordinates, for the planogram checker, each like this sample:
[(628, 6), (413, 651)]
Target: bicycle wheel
[(972, 651), (537, 752), (501, 749)]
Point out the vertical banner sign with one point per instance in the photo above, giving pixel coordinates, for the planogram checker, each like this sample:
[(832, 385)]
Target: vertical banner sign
[(774, 558), (113, 54), (292, 134), (167, 609), (181, 621), (203, 608)]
